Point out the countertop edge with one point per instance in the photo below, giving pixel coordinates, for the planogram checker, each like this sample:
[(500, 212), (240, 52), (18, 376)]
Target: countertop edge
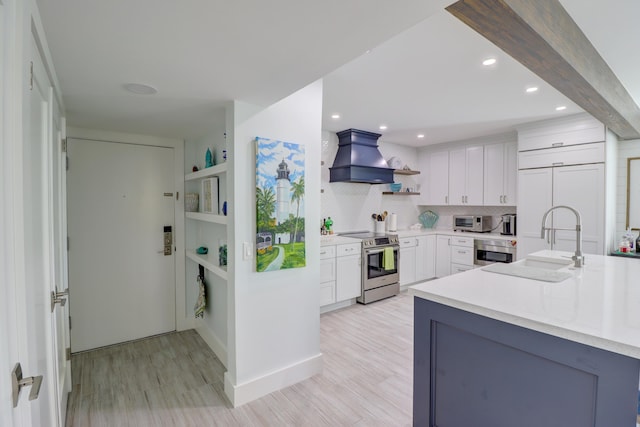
[(545, 328)]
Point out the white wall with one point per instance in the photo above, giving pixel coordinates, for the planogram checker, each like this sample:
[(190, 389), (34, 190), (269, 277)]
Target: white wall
[(274, 320), (626, 149), (350, 205)]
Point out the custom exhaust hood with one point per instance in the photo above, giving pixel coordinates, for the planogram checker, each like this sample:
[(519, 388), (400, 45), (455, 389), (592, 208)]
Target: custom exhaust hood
[(358, 159)]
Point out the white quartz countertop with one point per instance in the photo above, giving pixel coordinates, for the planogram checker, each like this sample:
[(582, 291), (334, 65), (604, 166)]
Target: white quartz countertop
[(428, 231), (598, 306), (335, 239)]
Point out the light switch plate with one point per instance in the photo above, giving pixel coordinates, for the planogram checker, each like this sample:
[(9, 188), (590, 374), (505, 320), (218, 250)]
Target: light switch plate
[(247, 250)]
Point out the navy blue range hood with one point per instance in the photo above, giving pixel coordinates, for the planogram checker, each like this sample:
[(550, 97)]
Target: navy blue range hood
[(358, 159)]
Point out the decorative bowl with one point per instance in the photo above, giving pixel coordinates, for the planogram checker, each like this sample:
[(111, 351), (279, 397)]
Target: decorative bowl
[(428, 219), (395, 187)]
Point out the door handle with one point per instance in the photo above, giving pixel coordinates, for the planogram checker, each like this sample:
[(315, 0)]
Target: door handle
[(18, 382), (59, 298)]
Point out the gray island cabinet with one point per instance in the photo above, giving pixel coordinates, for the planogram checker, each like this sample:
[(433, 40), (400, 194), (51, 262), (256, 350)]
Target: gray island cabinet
[(498, 350)]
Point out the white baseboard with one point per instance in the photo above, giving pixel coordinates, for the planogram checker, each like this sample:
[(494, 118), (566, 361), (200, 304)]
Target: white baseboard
[(246, 392), (337, 305), (218, 347)]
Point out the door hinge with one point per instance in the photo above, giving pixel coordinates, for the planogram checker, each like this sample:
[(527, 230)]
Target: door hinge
[(69, 322), (64, 145), (177, 195), (68, 353), (66, 163), (68, 243), (31, 75)]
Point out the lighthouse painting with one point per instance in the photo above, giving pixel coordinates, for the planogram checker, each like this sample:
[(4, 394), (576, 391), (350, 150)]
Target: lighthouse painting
[(280, 240)]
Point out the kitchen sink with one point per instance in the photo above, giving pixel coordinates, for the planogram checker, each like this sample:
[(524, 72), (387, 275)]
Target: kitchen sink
[(545, 263), (545, 269)]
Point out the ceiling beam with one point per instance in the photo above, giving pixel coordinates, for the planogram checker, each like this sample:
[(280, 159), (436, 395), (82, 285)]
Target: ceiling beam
[(543, 37)]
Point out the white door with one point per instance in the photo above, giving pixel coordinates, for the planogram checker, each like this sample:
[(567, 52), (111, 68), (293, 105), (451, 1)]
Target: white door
[(120, 198), (38, 256), (58, 247), (582, 188), (535, 196)]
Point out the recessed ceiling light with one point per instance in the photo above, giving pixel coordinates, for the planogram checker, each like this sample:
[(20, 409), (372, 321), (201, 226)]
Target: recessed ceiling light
[(383, 127), (140, 89), (532, 89), (560, 108), (420, 135), (489, 61), (335, 116)]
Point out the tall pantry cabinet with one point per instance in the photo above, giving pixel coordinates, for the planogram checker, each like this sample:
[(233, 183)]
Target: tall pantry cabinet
[(561, 163)]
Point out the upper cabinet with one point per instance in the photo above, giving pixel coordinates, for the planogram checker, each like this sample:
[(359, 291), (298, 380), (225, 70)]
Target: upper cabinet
[(435, 178), (578, 129), (500, 174), (466, 170)]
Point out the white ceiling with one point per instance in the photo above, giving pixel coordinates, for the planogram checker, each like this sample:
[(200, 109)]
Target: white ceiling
[(200, 54)]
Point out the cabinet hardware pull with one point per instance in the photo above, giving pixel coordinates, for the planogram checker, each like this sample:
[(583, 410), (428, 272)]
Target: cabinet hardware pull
[(557, 144), (505, 198)]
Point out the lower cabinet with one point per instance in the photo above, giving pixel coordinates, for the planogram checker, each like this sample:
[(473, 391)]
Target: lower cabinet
[(461, 254), (327, 275), (443, 256), (417, 259), (425, 258), (340, 273), (348, 277), (407, 262), (454, 254)]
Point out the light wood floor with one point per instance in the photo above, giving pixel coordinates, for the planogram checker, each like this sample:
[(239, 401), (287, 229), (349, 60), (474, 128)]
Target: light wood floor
[(175, 380)]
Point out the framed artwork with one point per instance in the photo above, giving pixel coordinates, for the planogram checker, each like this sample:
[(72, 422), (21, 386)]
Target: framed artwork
[(280, 192)]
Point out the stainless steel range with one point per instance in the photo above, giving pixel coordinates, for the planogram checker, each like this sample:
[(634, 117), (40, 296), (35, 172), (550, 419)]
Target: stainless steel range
[(378, 282)]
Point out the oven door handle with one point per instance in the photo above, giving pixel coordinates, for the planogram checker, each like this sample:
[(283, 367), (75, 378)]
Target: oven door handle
[(378, 251)]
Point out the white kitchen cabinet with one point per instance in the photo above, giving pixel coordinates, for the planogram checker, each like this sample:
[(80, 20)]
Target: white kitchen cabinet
[(466, 170), (407, 260), (581, 187), (425, 257), (535, 196), (435, 178), (563, 156), (500, 174), (348, 271), (461, 254), (443, 256), (327, 275), (578, 129)]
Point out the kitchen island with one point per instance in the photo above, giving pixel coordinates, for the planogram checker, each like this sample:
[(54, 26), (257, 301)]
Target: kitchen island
[(498, 350)]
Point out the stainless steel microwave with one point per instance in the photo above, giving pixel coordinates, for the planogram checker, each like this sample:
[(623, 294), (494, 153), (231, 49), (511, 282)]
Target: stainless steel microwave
[(477, 223)]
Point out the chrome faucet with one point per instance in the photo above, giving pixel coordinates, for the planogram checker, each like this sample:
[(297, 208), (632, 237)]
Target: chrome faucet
[(578, 258)]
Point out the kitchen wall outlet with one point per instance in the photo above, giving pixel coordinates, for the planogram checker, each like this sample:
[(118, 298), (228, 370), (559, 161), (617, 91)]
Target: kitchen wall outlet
[(247, 250)]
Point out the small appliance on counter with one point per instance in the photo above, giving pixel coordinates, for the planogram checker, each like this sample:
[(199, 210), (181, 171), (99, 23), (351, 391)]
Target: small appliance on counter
[(508, 225), (476, 223)]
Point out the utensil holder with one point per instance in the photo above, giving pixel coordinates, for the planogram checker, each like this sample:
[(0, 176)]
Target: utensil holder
[(380, 227)]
